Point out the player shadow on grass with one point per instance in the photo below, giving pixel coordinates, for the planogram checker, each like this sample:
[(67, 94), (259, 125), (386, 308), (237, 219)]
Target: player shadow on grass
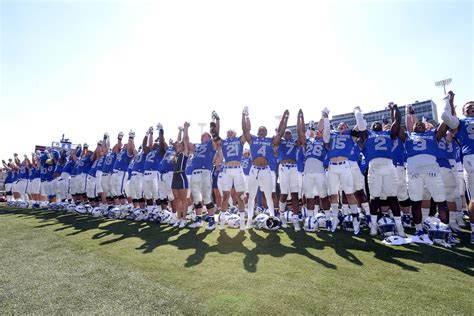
[(266, 244)]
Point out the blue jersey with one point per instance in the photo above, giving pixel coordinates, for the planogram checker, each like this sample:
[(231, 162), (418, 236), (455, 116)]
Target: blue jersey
[(442, 155), (153, 160), (246, 163), (166, 165), (189, 167), (421, 143), (262, 147), (14, 176), (378, 145), (139, 163), (272, 162), (122, 161), (130, 168), (315, 148), (50, 172), (451, 150), (232, 149), (100, 163), (300, 159), (58, 168), (355, 153), (68, 166), (23, 171), (399, 155), (465, 135), (9, 177), (341, 144), (203, 156), (85, 163), (109, 162), (287, 150), (93, 169)]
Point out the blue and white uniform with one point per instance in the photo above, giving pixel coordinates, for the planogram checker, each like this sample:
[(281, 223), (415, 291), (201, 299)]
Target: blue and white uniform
[(107, 171), (246, 163), (358, 180), (232, 175), (22, 184), (314, 179), (119, 176), (151, 174), (166, 169), (201, 179), (290, 180), (447, 164), (261, 147), (465, 135), (136, 179), (9, 181), (399, 158), (91, 183), (98, 175), (339, 172), (65, 178), (422, 168), (382, 174)]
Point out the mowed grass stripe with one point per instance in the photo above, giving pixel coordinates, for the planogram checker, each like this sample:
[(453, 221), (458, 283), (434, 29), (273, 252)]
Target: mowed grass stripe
[(258, 272)]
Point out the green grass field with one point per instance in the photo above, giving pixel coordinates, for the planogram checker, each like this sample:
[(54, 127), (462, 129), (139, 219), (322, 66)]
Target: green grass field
[(63, 263)]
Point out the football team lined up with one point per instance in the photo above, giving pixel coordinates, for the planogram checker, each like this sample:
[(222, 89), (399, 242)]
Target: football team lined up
[(382, 176)]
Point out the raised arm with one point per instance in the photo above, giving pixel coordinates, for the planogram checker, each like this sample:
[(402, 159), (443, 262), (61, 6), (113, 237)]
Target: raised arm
[(147, 143), (214, 130), (131, 144), (186, 138), (118, 146), (161, 139), (300, 128), (396, 119), (246, 125), (449, 113), (410, 118), (281, 128)]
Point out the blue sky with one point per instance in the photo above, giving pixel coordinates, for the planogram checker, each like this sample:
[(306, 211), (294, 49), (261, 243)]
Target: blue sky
[(86, 67)]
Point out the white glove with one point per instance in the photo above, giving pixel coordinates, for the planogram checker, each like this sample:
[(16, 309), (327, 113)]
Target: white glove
[(159, 126), (180, 128), (357, 109), (311, 125), (106, 135), (245, 111), (325, 112), (120, 136), (150, 130), (131, 134), (215, 116)]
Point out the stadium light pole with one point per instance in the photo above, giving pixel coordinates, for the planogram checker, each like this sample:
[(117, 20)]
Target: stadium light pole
[(202, 125), (443, 83)]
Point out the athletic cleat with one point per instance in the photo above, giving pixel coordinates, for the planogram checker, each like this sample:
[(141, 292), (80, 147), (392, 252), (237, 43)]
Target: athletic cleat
[(373, 229), (400, 231), (334, 223), (406, 220), (296, 225), (356, 225), (182, 223), (211, 226), (176, 223), (455, 227), (196, 224), (453, 240), (422, 238)]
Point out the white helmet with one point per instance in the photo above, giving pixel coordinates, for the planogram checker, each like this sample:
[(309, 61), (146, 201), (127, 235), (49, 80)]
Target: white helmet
[(233, 210), (438, 231), (321, 220), (140, 214), (23, 204), (348, 223), (287, 217), (259, 210), (164, 216), (53, 206), (233, 221), (311, 224), (259, 220), (114, 212), (303, 213), (222, 217), (71, 208), (96, 211), (386, 226), (83, 209)]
